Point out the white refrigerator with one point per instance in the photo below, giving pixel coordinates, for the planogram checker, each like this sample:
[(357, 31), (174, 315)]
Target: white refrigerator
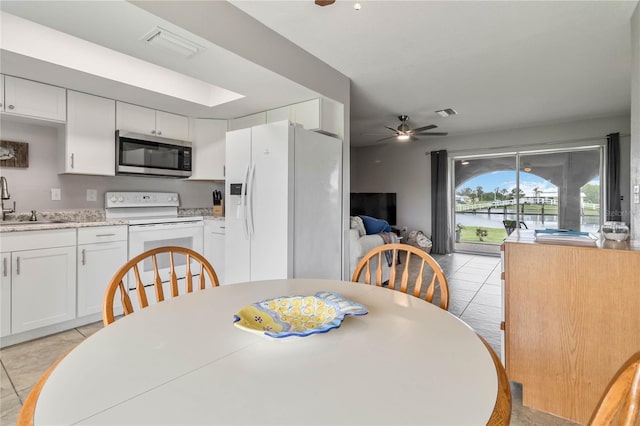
[(283, 200)]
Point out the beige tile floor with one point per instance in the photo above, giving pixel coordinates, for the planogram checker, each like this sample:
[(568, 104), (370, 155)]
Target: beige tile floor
[(475, 298)]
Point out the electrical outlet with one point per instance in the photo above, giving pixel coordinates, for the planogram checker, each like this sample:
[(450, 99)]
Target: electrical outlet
[(56, 194), (92, 195), (636, 189)]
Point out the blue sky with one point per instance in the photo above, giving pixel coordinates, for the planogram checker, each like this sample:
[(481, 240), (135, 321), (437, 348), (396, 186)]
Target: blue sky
[(507, 179)]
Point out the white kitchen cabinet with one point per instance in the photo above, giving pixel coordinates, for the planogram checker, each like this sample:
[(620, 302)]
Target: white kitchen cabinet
[(214, 234), (248, 121), (172, 126), (208, 149), (32, 99), (42, 271), (323, 115), (90, 135), (102, 251), (1, 92), (137, 119), (5, 295), (279, 114)]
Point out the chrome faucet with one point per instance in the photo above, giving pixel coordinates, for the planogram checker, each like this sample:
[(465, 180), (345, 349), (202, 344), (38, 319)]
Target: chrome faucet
[(4, 195)]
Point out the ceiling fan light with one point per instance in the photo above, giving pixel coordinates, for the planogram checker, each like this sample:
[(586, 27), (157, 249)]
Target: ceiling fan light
[(357, 6), (403, 138)]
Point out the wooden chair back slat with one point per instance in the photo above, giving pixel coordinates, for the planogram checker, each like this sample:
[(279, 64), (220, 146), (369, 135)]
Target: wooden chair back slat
[(189, 276), (157, 280), (620, 404), (202, 280), (437, 282), (131, 269), (124, 299), (405, 273), (174, 278), (142, 294)]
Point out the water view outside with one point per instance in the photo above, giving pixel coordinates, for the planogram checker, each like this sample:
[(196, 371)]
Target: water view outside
[(555, 190)]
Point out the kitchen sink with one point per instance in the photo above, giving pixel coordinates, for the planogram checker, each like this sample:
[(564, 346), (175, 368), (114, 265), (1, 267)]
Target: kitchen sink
[(29, 222)]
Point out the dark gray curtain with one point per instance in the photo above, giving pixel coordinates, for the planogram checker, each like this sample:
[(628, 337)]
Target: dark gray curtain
[(613, 177), (440, 234)]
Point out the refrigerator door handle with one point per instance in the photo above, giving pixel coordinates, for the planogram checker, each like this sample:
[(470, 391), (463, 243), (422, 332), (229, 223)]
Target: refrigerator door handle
[(243, 203), (250, 199)]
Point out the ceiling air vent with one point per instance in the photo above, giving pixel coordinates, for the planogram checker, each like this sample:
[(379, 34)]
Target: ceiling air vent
[(163, 39), (446, 112)]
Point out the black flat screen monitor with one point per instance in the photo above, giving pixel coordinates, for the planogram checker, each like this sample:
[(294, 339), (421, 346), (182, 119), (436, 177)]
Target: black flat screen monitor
[(381, 205)]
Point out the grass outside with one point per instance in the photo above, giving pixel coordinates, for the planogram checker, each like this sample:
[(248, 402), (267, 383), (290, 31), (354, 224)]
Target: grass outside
[(469, 234)]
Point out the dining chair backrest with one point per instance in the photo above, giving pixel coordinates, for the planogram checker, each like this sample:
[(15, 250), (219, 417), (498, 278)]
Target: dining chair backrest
[(132, 269), (620, 404), (511, 225), (410, 256)]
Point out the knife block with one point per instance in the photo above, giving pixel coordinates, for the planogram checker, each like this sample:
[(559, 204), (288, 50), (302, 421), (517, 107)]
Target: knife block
[(218, 209)]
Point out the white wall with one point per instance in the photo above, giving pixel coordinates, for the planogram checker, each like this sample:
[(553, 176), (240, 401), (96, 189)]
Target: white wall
[(406, 168), (31, 187), (635, 118)]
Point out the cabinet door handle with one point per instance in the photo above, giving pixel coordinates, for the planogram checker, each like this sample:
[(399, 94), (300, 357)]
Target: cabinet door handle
[(18, 265), (105, 235), (4, 266), (159, 132), (72, 160), (222, 227), (11, 107), (153, 132), (83, 257)]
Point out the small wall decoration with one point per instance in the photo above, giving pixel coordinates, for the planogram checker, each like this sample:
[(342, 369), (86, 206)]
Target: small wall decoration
[(14, 154)]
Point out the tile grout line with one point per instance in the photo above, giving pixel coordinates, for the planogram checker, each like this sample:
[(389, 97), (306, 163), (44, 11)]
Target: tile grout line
[(13, 386)]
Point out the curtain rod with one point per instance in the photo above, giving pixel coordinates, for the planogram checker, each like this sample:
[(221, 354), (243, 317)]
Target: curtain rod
[(520, 147)]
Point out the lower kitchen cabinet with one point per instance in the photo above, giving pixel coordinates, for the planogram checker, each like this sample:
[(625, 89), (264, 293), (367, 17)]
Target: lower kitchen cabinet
[(101, 252), (214, 234), (42, 284), (5, 295)]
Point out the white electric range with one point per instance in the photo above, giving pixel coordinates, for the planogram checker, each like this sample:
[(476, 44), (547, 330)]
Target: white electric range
[(154, 222)]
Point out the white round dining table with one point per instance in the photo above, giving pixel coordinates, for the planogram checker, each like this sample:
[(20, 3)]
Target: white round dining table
[(183, 362)]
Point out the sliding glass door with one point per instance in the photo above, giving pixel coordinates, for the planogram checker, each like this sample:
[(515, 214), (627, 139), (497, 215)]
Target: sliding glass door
[(533, 190)]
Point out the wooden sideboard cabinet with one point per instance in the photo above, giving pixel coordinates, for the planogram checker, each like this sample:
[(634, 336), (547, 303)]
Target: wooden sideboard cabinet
[(572, 318)]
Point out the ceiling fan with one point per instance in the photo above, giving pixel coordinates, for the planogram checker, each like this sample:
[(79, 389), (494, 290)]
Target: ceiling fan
[(403, 133)]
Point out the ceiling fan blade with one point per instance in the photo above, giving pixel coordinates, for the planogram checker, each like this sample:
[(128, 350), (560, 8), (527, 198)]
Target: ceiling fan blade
[(432, 133), (384, 139), (421, 129), (413, 138), (324, 2), (392, 129)]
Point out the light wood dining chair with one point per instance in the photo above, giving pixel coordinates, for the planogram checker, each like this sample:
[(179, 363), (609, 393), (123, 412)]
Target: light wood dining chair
[(501, 415), (620, 404), (411, 255), (134, 266)]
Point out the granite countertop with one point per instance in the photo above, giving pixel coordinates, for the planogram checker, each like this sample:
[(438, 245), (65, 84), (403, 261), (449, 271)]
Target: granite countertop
[(79, 219), (14, 226)]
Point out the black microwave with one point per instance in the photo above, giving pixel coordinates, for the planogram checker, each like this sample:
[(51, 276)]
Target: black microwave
[(146, 155)]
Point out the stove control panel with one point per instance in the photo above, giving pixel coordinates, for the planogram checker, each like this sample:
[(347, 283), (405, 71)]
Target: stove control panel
[(141, 199)]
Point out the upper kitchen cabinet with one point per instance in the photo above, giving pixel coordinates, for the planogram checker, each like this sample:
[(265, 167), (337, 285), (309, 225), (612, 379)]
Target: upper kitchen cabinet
[(279, 114), (321, 115), (208, 149), (90, 135), (31, 99), (248, 121), (134, 118)]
